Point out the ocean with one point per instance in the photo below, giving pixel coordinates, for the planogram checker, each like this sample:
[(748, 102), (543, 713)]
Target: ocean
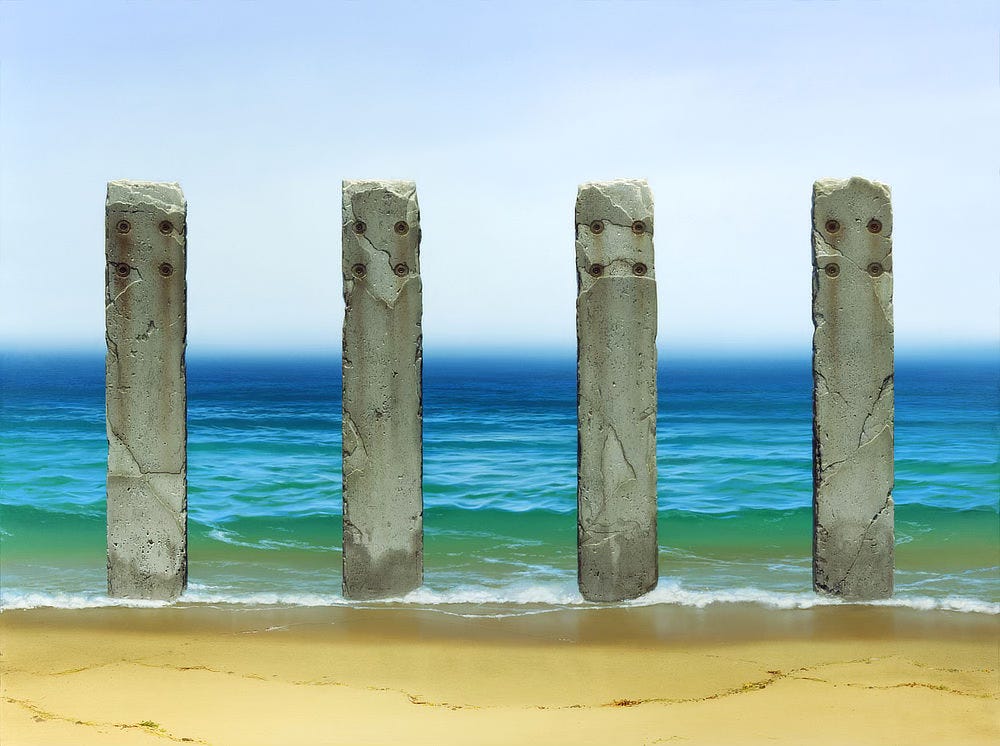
[(735, 483)]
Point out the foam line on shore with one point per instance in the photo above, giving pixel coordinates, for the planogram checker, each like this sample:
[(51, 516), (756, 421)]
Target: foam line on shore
[(511, 600)]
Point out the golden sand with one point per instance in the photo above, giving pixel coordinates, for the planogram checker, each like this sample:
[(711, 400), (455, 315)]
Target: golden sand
[(729, 674)]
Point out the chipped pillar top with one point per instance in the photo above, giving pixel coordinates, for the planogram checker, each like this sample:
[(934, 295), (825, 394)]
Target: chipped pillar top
[(372, 208), (168, 197), (619, 210)]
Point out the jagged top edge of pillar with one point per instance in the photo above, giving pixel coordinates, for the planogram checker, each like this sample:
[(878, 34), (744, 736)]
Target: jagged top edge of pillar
[(827, 186), (402, 187), (620, 201), (165, 195)]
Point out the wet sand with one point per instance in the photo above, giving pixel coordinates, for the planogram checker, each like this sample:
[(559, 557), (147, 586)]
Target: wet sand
[(730, 673)]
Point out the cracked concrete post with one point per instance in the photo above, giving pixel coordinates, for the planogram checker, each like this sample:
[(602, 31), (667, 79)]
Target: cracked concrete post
[(616, 390), (382, 379), (852, 389), (146, 317)]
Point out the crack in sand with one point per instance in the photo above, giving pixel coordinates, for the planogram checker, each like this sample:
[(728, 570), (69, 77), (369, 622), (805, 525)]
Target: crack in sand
[(146, 726), (207, 669), (904, 685), (416, 699)]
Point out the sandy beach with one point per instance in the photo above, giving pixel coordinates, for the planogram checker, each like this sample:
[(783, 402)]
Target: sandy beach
[(726, 674)]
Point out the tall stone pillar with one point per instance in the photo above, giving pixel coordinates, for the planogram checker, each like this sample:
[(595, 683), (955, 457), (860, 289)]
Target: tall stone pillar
[(146, 317), (852, 389), (616, 390), (382, 380)]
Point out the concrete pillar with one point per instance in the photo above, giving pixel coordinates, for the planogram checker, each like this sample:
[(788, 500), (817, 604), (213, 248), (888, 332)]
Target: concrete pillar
[(852, 389), (616, 390), (146, 316), (383, 409)]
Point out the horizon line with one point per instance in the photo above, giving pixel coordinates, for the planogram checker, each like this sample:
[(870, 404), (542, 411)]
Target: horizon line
[(958, 350)]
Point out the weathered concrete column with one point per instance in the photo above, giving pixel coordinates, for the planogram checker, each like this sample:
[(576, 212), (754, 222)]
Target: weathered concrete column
[(616, 390), (383, 409), (852, 389), (146, 315)]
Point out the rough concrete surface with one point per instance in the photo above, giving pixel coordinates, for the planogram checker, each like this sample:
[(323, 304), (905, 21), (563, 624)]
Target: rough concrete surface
[(616, 390), (852, 389), (382, 380), (146, 316)]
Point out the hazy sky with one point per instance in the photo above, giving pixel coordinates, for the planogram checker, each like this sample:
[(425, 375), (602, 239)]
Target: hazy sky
[(498, 111)]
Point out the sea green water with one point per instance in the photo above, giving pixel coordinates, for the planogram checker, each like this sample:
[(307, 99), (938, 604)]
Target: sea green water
[(735, 482)]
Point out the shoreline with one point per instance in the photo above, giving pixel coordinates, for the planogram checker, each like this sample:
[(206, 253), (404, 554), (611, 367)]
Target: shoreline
[(734, 673)]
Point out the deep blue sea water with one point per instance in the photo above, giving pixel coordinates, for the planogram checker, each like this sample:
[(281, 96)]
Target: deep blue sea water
[(734, 454)]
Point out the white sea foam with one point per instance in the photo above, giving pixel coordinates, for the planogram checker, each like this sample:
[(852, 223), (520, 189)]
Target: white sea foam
[(228, 537), (492, 601), (13, 599)]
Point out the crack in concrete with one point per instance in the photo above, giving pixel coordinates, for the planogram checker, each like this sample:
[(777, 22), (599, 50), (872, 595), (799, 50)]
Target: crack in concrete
[(150, 328), (861, 545), (826, 390), (365, 238), (140, 472), (389, 303), (608, 469), (122, 444), (886, 384), (109, 305), (820, 242), (112, 348), (349, 451)]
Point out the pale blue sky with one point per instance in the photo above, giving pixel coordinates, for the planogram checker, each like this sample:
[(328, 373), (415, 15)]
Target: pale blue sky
[(498, 111)]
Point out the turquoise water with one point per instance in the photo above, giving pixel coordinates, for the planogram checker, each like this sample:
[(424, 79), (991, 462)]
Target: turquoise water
[(734, 452)]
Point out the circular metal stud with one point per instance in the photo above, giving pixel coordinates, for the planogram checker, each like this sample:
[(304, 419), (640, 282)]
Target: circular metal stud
[(360, 227), (597, 227), (595, 270), (832, 226), (166, 227), (122, 269), (123, 226), (875, 269), (401, 270), (166, 269), (874, 225), (359, 270), (639, 269), (638, 227), (832, 269), (401, 228)]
